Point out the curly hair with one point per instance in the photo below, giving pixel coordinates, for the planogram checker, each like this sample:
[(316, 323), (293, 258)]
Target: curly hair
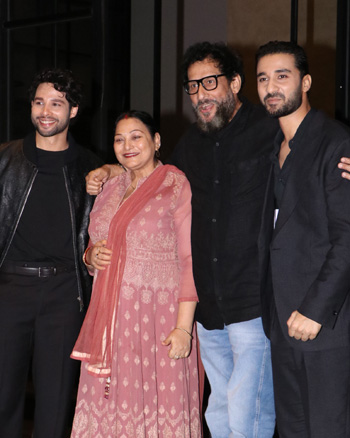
[(228, 61), (62, 80), (285, 47)]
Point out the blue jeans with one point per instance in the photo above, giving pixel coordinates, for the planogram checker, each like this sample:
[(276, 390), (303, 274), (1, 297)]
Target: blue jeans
[(237, 361)]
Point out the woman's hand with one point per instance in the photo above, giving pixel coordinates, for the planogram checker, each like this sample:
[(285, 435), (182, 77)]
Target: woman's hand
[(98, 256), (180, 344)]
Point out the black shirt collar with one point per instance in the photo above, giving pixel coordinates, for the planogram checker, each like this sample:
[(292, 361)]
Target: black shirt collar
[(30, 149), (297, 136)]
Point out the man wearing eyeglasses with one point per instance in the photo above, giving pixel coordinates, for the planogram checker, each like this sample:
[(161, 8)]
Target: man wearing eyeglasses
[(225, 156)]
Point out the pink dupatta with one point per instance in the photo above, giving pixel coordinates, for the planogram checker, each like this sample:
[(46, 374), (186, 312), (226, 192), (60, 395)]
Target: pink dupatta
[(95, 341)]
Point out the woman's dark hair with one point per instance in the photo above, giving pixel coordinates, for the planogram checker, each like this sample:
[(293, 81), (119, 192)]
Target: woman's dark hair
[(227, 60), (285, 47), (144, 117), (62, 80)]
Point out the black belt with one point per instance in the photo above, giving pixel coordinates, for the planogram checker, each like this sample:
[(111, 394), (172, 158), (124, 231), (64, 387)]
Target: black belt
[(38, 271)]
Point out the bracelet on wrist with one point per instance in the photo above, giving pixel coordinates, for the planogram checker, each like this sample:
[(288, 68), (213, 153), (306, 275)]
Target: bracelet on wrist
[(184, 330), (85, 254)]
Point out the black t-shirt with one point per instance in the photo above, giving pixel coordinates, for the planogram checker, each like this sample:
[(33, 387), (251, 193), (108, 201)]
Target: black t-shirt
[(44, 232), (281, 174)]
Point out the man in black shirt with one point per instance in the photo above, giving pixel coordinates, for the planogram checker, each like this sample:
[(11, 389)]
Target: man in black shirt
[(44, 284), (225, 157)]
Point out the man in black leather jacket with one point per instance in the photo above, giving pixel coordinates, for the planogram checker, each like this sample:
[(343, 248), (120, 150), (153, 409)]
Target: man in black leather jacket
[(44, 284)]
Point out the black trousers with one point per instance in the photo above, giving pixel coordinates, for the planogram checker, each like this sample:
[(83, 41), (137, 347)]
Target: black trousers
[(39, 322), (312, 391)]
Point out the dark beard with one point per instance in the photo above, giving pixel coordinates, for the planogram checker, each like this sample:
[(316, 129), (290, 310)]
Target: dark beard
[(60, 127), (289, 106), (224, 111)]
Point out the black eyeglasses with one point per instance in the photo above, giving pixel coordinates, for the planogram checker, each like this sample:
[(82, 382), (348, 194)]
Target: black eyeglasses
[(209, 83)]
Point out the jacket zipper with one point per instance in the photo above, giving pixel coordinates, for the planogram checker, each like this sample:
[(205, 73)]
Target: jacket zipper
[(74, 238)]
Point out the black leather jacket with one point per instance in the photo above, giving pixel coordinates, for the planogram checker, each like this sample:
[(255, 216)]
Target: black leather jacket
[(17, 174)]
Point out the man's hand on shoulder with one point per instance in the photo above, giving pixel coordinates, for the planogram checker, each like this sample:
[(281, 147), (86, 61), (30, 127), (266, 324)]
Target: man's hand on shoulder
[(345, 165), (302, 328), (96, 178)]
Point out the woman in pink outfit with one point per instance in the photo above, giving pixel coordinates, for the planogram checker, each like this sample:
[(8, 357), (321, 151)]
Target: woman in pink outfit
[(139, 374)]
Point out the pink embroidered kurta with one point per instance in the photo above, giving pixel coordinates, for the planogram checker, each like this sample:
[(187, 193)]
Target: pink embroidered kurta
[(150, 395)]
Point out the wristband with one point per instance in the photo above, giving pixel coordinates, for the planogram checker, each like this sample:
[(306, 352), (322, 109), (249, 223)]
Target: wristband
[(184, 330), (85, 254)]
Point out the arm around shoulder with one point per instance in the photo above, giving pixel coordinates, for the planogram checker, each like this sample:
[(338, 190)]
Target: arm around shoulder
[(344, 164), (97, 177), (327, 294)]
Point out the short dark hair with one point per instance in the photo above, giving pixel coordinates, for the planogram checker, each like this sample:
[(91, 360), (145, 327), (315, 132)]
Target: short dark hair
[(286, 47), (144, 117), (228, 61), (62, 80)]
